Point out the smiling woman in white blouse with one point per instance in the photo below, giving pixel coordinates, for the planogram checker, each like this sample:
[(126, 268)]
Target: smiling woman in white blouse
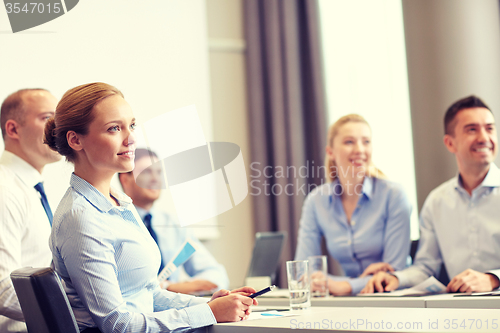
[(104, 254)]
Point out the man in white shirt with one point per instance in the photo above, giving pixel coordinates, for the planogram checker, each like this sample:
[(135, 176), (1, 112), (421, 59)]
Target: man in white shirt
[(204, 273), (25, 216), (459, 223)]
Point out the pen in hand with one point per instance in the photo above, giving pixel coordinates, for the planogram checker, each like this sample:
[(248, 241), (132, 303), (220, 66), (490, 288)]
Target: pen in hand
[(262, 292)]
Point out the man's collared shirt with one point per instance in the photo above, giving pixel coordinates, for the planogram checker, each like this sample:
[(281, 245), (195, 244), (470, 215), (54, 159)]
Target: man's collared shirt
[(171, 236), (459, 229), (24, 233), (109, 263), (379, 230)]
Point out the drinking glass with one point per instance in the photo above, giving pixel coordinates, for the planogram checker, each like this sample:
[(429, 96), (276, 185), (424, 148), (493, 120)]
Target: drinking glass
[(318, 268), (298, 284)]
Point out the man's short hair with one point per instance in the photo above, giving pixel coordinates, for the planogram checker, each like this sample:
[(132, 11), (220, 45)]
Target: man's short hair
[(13, 107), (462, 104)]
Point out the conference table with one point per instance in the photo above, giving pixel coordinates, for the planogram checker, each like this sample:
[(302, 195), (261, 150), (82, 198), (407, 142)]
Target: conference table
[(433, 301), (355, 319), (434, 313)]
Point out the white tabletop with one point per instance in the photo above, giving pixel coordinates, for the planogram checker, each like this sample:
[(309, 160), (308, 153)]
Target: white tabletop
[(344, 319), (354, 301), (462, 301)]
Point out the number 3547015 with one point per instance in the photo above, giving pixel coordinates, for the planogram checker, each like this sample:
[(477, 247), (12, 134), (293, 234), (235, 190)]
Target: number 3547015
[(33, 7)]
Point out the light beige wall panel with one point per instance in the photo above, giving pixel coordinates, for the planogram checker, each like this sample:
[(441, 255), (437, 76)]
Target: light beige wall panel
[(453, 50), (225, 18), (229, 107)]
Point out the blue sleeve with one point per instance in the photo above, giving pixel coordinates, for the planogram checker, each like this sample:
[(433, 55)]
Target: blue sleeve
[(86, 247), (357, 284), (309, 238), (202, 265), (397, 230)]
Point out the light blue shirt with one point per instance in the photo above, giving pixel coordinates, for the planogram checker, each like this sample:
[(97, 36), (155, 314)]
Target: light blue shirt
[(202, 265), (108, 264), (459, 229), (379, 230)]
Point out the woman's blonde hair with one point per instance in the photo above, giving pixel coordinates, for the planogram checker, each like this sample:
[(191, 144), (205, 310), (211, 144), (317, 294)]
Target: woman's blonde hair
[(330, 166)]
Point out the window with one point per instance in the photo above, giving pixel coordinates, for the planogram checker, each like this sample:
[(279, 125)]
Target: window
[(365, 73)]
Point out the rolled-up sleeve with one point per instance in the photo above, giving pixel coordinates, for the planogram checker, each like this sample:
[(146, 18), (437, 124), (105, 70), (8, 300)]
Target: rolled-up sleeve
[(428, 258)]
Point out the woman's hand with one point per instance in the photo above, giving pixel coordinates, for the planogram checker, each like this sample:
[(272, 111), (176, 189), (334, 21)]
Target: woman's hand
[(318, 281), (232, 305), (220, 293), (381, 282), (339, 288), (377, 267), (243, 291)]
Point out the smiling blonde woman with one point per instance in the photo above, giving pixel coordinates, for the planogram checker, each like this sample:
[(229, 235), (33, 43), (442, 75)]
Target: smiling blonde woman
[(364, 218)]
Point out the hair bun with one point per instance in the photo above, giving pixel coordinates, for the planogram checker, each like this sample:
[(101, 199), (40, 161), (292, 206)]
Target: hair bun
[(49, 135)]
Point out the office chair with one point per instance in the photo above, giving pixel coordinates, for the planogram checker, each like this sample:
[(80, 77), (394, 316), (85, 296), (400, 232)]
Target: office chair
[(43, 300), (266, 254)]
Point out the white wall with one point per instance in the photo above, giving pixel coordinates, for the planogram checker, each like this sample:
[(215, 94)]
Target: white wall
[(155, 52), (158, 55), (229, 108)]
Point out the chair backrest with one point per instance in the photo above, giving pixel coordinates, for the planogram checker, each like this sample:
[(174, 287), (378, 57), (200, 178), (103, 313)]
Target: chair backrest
[(413, 249), (43, 300), (266, 254)]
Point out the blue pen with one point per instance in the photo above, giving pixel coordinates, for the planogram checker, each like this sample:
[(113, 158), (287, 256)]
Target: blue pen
[(262, 292)]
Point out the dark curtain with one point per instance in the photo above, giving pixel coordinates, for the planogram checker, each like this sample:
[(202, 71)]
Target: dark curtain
[(287, 112)]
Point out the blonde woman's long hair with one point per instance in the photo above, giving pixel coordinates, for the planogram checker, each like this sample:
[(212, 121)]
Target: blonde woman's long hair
[(330, 166)]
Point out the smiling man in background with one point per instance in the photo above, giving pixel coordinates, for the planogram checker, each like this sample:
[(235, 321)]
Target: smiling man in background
[(459, 223)]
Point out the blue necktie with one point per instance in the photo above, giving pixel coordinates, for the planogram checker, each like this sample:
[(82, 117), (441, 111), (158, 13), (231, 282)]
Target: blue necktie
[(45, 203), (147, 223)]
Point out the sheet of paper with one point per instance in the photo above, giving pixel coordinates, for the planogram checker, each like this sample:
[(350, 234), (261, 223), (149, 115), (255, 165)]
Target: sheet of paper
[(187, 249), (487, 293), (431, 285)]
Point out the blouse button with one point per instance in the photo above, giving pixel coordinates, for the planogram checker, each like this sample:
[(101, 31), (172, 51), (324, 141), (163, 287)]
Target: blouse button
[(353, 223)]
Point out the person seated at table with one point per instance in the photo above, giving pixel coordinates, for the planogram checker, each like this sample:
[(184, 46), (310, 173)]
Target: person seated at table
[(25, 213), (364, 218), (459, 219), (203, 271), (105, 256)]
